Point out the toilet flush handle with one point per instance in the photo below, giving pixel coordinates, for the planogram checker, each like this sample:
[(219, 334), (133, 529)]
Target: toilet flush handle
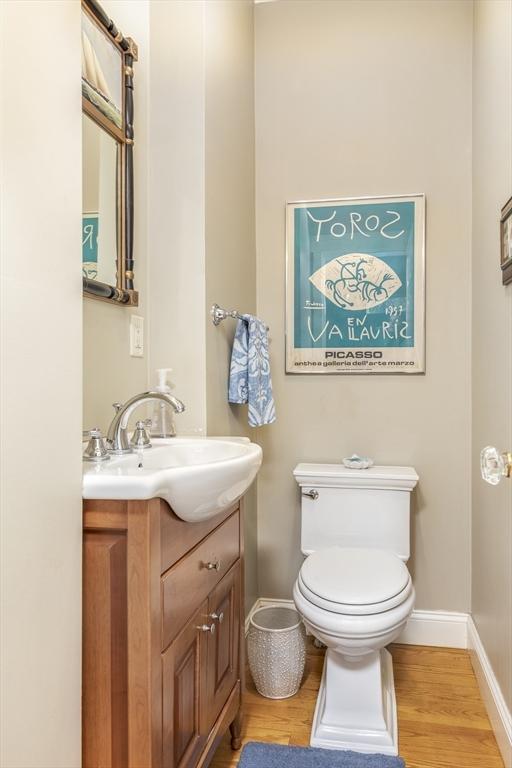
[(313, 494)]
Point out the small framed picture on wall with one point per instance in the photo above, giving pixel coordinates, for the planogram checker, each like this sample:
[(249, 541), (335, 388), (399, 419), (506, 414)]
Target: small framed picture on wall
[(506, 242)]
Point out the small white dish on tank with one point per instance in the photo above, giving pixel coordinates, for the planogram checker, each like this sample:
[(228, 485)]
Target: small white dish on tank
[(358, 462)]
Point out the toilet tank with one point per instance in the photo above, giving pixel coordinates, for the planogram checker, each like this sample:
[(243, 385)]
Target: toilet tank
[(355, 507)]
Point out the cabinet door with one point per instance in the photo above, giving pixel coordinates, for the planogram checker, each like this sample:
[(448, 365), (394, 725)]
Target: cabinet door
[(184, 689), (104, 659), (224, 644)]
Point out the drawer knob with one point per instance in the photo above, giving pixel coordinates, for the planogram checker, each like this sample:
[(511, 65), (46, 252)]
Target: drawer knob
[(217, 616), (207, 628), (215, 566)]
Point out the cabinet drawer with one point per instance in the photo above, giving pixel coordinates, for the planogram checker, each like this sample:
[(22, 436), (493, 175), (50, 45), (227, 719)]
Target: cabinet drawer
[(190, 581)]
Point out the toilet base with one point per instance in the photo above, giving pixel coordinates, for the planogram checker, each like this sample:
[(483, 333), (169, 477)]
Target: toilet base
[(356, 704)]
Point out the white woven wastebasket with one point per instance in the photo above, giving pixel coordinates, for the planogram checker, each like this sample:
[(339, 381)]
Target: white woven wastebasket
[(276, 647)]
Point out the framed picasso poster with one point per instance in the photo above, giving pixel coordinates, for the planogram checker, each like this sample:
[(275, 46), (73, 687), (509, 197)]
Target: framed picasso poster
[(355, 285)]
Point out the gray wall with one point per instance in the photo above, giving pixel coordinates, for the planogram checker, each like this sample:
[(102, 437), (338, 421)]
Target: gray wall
[(492, 334), (230, 248), (370, 98), (40, 385), (176, 269)]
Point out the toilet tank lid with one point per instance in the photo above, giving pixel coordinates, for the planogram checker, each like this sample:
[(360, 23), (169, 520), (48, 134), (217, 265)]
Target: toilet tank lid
[(339, 476)]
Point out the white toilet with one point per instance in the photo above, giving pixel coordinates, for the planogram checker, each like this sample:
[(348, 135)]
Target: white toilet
[(355, 594)]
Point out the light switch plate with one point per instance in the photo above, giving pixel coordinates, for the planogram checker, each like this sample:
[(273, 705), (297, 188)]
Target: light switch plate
[(136, 336)]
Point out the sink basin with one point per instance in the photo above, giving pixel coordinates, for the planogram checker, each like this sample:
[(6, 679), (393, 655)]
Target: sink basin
[(198, 477)]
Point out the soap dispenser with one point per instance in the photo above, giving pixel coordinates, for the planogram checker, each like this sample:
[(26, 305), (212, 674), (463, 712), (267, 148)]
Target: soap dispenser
[(162, 422)]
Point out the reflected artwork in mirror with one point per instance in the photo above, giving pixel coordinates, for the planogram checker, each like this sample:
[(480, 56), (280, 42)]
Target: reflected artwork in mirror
[(101, 157), (107, 158)]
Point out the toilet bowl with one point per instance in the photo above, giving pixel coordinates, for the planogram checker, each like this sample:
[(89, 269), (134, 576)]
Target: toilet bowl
[(356, 601)]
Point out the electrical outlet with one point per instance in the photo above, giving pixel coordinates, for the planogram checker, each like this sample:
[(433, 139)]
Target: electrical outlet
[(136, 336)]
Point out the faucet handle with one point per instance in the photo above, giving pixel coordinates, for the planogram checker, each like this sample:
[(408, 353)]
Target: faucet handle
[(96, 449), (140, 438), (117, 407), (93, 432)]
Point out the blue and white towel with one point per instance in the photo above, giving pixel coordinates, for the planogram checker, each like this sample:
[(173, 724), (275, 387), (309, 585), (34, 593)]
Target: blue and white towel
[(249, 375)]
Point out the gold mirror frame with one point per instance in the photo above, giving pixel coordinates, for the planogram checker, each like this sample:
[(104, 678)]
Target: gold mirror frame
[(123, 292)]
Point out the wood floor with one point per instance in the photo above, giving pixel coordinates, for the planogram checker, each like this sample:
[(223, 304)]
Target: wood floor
[(442, 720)]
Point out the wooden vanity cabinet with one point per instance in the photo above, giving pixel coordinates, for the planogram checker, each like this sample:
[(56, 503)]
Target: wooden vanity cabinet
[(162, 635)]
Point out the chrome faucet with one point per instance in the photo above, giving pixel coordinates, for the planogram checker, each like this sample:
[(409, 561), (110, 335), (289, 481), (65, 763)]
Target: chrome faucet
[(117, 435)]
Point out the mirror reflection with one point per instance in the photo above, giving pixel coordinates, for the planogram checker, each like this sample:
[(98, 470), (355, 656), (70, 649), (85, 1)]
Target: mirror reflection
[(100, 191)]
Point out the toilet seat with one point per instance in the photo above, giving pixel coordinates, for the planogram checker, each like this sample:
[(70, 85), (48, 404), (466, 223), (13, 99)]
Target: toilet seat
[(354, 581)]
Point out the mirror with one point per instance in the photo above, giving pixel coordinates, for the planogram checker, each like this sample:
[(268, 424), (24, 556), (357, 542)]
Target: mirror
[(100, 197), (107, 158)]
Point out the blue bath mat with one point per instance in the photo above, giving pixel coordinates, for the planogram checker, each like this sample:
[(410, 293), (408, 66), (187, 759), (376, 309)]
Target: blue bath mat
[(258, 755)]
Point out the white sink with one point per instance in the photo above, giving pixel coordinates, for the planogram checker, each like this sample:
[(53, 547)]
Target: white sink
[(198, 477)]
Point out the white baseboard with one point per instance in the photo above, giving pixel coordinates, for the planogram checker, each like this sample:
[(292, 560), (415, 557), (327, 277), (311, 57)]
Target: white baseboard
[(499, 714), (439, 628), (445, 629)]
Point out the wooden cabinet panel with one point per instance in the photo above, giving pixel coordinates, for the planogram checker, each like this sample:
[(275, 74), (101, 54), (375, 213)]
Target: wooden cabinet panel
[(144, 708), (184, 688), (104, 660), (224, 644), (189, 582), (179, 537)]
